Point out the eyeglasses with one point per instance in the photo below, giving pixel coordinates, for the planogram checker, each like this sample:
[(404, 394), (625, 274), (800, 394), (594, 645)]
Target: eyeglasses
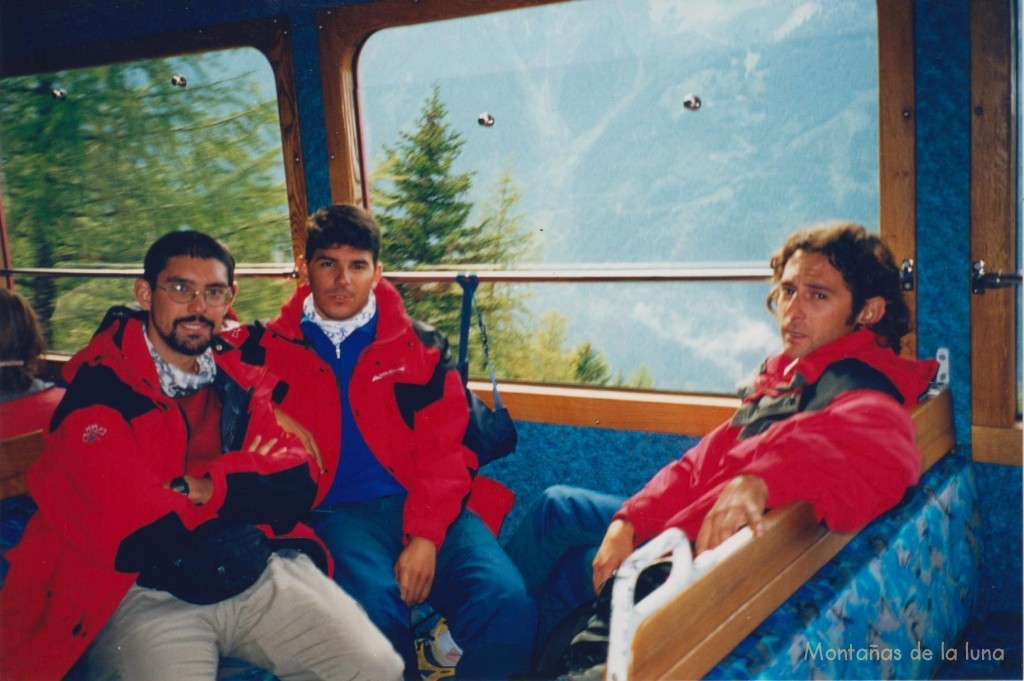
[(215, 296)]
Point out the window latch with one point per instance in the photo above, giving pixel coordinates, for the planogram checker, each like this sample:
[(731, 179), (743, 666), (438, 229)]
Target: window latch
[(907, 274), (982, 280)]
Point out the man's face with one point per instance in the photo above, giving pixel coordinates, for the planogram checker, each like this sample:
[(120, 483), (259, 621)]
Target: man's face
[(180, 331), (813, 304), (341, 279)]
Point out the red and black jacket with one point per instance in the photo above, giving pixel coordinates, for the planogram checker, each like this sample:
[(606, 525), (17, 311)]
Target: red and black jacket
[(408, 401), (832, 428), (100, 485)]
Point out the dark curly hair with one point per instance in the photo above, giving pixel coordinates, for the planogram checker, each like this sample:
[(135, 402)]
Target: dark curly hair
[(868, 268)]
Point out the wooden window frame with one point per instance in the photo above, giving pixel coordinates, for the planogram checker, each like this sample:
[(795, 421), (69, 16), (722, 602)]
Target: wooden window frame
[(344, 30), (995, 429), (269, 36)]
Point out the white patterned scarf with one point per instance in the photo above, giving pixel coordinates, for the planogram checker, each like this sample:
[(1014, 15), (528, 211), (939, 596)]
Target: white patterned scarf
[(338, 330), (177, 383)]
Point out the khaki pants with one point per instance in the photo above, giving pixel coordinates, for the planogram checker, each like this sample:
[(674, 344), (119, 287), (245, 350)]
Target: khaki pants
[(293, 622)]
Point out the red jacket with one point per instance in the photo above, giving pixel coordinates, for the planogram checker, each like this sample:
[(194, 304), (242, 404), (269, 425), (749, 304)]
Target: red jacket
[(28, 413), (100, 481), (851, 454), (408, 400)]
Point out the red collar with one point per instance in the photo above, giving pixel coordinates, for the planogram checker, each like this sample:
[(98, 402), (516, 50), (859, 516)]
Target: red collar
[(781, 374)]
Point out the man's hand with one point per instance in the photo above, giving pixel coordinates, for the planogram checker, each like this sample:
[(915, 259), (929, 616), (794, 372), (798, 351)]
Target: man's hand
[(615, 548), (742, 502), (290, 425), (266, 449), (414, 570)]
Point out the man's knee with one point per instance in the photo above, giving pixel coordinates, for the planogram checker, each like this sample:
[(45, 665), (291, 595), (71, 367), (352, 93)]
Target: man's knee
[(155, 649), (553, 505), (519, 615), (567, 507)]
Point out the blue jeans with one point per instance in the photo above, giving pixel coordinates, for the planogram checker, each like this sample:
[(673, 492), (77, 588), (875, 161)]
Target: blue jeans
[(476, 587), (554, 549)]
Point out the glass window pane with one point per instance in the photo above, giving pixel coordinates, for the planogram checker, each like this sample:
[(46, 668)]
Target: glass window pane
[(590, 123), (570, 135), (635, 335), (84, 300), (99, 162)]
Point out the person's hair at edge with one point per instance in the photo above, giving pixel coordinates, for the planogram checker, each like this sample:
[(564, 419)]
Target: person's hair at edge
[(189, 244), (21, 341), (342, 225), (868, 268)]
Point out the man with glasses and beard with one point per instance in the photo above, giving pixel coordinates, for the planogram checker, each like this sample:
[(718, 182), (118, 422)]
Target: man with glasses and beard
[(169, 502)]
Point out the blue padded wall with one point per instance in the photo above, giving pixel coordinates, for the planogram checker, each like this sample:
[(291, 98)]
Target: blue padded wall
[(613, 461), (999, 499), (942, 92)]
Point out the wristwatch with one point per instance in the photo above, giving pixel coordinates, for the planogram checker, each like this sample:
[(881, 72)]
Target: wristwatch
[(180, 485)]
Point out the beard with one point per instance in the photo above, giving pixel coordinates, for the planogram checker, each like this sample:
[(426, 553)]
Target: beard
[(187, 344)]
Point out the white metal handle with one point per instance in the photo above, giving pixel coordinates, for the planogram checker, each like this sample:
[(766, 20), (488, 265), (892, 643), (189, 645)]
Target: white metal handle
[(626, 615)]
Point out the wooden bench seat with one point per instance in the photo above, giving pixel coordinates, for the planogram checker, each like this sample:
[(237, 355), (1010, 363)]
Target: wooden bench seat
[(686, 638)]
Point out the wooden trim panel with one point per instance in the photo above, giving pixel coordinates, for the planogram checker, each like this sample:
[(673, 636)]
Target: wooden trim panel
[(993, 231), (340, 40), (897, 140), (655, 412), (998, 445), (689, 636), (278, 50)]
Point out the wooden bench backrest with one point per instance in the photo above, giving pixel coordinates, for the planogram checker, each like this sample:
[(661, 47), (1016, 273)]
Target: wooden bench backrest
[(16, 455), (693, 633)]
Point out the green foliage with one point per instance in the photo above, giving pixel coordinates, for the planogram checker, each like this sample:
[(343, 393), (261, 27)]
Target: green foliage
[(427, 222), (639, 378), (591, 367), (425, 218), (93, 179), (424, 215)]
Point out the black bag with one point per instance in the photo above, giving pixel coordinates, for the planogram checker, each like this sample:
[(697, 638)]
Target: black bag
[(577, 647), (222, 561), (491, 433)]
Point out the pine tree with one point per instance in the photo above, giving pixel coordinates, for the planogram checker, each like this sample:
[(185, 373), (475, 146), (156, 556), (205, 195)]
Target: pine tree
[(591, 368), (425, 217), (428, 222)]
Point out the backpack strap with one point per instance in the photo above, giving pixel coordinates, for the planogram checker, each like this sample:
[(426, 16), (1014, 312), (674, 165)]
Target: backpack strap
[(469, 283)]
